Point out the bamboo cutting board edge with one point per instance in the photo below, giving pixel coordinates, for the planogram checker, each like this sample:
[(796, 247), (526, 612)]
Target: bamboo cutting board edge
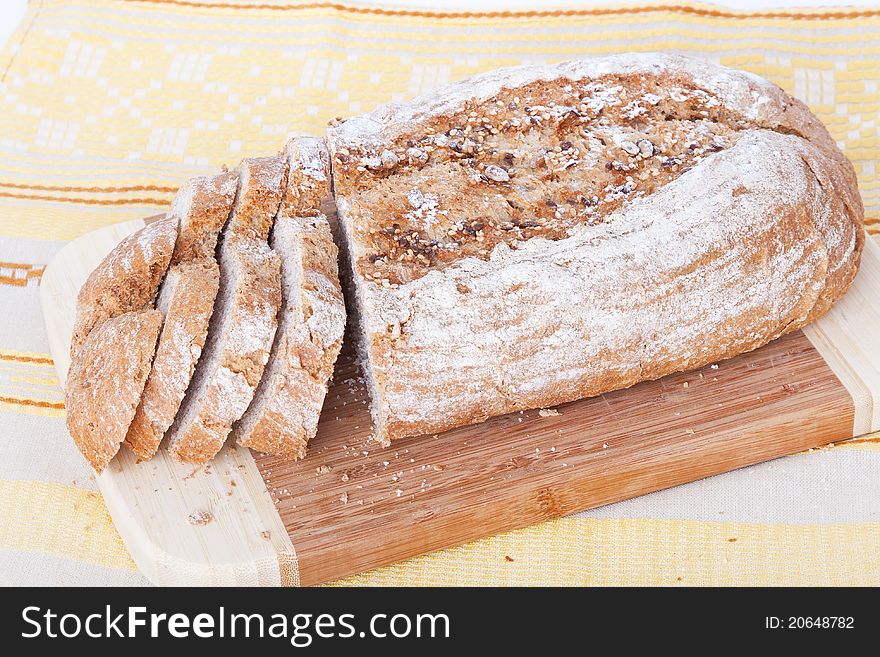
[(159, 506)]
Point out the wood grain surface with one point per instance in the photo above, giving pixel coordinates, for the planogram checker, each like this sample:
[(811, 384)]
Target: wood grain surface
[(352, 505)]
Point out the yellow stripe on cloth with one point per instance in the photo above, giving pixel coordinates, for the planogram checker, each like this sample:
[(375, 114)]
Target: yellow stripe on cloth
[(643, 552), (60, 520)]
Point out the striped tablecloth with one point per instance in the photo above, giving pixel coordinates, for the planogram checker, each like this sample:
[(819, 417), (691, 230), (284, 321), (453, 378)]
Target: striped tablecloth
[(106, 106)]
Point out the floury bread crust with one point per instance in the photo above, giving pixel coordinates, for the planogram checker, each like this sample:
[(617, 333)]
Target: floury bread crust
[(542, 234), (284, 414)]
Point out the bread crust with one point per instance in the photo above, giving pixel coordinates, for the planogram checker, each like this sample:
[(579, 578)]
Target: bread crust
[(105, 383), (308, 183), (751, 242), (244, 319), (187, 301), (126, 280), (202, 205)]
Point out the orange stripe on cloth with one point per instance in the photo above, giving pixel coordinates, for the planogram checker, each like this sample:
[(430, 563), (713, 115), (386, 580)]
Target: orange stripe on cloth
[(36, 403), (533, 13), (95, 190), (87, 201), (25, 358)]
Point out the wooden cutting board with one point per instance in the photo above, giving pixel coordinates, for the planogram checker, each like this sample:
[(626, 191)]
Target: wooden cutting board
[(352, 505)]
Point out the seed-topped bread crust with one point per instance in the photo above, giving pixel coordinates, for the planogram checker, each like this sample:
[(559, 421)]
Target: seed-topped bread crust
[(540, 234)]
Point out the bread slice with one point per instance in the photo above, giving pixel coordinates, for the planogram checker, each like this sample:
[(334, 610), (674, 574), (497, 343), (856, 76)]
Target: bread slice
[(283, 416), (541, 234), (244, 320), (126, 280), (105, 382), (186, 299), (202, 205)]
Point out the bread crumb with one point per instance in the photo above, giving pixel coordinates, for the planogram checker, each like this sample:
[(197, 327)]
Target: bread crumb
[(200, 518), (344, 498), (266, 535), (508, 558), (345, 476), (548, 412), (323, 469), (684, 385)]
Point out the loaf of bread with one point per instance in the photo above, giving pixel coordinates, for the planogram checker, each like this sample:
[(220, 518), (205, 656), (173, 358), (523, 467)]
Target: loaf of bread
[(283, 415), (244, 318), (541, 234), (518, 240)]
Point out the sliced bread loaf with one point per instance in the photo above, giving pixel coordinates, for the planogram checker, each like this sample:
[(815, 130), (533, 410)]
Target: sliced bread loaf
[(105, 382), (244, 319)]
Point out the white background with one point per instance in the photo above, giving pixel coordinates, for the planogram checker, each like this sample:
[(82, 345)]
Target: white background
[(11, 11)]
